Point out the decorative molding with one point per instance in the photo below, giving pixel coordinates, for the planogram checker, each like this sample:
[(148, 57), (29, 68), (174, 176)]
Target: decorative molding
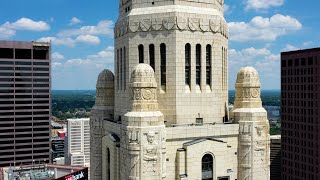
[(248, 93), (214, 25), (147, 94)]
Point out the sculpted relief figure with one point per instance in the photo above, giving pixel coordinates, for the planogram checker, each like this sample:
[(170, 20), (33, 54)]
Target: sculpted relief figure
[(150, 152)]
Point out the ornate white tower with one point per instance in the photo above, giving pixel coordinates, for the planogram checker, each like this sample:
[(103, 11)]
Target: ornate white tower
[(254, 137), (185, 42), (101, 111), (143, 136)]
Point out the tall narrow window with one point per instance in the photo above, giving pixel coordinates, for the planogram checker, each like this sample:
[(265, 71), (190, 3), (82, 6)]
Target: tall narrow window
[(163, 67), (141, 53), (225, 68), (207, 167), (198, 64), (188, 64), (109, 164), (151, 55), (118, 68), (120, 73), (222, 68), (124, 68), (208, 64)]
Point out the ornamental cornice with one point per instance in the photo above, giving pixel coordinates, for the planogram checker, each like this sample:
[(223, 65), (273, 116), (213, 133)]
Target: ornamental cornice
[(213, 25)]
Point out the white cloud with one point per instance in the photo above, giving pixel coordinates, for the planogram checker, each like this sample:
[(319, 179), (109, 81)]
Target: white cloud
[(307, 43), (104, 27), (27, 24), (74, 21), (107, 53), (90, 39), (290, 47), (6, 32), (262, 59), (56, 64), (263, 4), (57, 56), (9, 29), (263, 29), (58, 41)]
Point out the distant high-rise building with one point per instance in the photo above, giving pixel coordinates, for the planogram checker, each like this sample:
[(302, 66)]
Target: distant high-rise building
[(24, 102), (275, 157), (77, 142), (300, 101)]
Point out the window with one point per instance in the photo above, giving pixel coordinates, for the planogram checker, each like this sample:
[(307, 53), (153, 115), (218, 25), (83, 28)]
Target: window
[(151, 55), (6, 53), (141, 53), (125, 68), (207, 167), (120, 72), (283, 63), (208, 64), (109, 164), (163, 64), (188, 64), (198, 64), (118, 68), (23, 53)]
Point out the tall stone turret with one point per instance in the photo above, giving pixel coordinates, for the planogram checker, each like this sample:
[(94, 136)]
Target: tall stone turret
[(143, 149), (102, 110), (254, 137)]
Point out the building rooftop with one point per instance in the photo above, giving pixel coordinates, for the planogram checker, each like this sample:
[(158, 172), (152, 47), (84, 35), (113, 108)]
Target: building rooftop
[(44, 172), (301, 51)]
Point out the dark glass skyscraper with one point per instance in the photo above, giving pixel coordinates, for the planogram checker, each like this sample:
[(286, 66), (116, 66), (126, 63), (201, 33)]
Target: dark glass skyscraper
[(300, 106), (25, 102)]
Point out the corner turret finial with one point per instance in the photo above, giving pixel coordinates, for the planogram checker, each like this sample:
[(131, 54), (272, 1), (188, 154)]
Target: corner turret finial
[(144, 89), (247, 89)]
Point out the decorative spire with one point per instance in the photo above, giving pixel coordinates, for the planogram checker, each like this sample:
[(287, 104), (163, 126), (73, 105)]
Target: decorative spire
[(247, 89)]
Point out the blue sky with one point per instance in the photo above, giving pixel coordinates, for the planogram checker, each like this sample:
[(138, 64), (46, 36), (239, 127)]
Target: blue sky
[(82, 35)]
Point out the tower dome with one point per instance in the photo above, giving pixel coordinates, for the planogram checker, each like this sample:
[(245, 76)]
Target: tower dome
[(105, 89), (142, 73), (144, 88), (248, 89)]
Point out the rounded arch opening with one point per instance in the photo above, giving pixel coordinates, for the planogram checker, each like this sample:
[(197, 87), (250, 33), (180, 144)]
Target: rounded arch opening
[(207, 167)]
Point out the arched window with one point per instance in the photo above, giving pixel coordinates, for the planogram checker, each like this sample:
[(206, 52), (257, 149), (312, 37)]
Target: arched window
[(207, 167), (124, 68), (118, 69), (163, 58), (141, 53), (108, 165), (208, 64), (151, 55), (198, 64), (188, 64)]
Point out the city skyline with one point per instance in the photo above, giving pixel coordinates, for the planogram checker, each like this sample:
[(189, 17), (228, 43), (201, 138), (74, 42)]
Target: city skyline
[(82, 35)]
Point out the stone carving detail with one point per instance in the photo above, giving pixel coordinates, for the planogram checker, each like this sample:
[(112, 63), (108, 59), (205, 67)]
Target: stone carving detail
[(248, 93), (136, 94), (133, 137), (260, 130), (148, 94), (214, 25), (245, 129), (150, 153), (144, 94)]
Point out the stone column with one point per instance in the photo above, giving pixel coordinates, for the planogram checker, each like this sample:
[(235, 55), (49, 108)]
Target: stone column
[(142, 131), (254, 143), (102, 110)]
